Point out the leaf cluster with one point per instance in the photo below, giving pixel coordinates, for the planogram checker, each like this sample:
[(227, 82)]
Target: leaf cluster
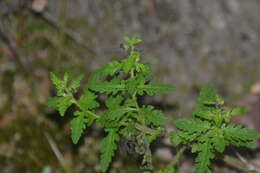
[(211, 130), (122, 82)]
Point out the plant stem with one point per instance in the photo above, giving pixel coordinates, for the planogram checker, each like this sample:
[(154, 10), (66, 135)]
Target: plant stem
[(177, 157)]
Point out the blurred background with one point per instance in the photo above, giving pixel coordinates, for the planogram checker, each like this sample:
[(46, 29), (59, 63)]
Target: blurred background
[(187, 42)]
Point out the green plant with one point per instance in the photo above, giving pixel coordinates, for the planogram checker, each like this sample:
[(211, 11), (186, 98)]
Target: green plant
[(122, 82), (211, 130)]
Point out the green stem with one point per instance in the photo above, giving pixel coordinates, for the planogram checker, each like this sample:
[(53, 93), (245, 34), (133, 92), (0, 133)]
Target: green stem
[(144, 129), (177, 158)]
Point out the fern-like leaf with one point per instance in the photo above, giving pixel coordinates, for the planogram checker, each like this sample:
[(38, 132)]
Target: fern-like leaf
[(153, 116), (240, 136), (192, 126), (111, 117), (238, 111), (204, 157), (114, 101), (155, 88), (207, 101), (61, 104), (111, 68), (77, 127), (75, 83), (88, 101), (218, 140), (108, 147), (114, 86)]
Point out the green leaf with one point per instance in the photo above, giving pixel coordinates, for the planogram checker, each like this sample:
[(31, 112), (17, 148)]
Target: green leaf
[(114, 101), (128, 64), (59, 84), (76, 82), (108, 147), (64, 103), (131, 42), (240, 136), (203, 159), (111, 68), (94, 79), (88, 101), (207, 102), (153, 116), (238, 111), (60, 103), (111, 117), (53, 102), (218, 140), (155, 88), (77, 127), (175, 139), (114, 86), (209, 95), (192, 126), (133, 83)]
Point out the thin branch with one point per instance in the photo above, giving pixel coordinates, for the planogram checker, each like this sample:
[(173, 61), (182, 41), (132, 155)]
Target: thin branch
[(58, 154), (177, 157)]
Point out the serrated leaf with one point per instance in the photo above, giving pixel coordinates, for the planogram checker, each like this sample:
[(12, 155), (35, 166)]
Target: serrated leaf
[(153, 116), (209, 96), (132, 40), (114, 86), (143, 68), (238, 111), (114, 101), (60, 103), (192, 126), (77, 127), (55, 80), (128, 64), (110, 117), (53, 102), (111, 68), (64, 103), (108, 147), (204, 112), (203, 159), (218, 140), (133, 83), (88, 101), (59, 84), (207, 102), (240, 136), (95, 78), (175, 139), (76, 82), (155, 88)]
